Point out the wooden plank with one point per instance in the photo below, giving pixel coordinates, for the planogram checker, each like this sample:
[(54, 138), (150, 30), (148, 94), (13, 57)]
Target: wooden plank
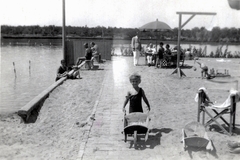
[(26, 110), (199, 13)]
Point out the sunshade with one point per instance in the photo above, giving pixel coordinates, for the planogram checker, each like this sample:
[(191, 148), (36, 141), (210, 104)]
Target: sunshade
[(156, 26)]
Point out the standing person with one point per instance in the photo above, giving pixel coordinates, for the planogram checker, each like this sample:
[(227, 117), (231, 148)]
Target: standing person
[(122, 49), (160, 55), (136, 47), (204, 72), (136, 95), (154, 58)]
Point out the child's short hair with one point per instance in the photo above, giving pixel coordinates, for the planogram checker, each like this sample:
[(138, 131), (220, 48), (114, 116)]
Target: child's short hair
[(135, 76)]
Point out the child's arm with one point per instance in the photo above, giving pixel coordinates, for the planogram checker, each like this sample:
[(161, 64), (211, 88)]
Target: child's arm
[(145, 99), (126, 101), (124, 104)]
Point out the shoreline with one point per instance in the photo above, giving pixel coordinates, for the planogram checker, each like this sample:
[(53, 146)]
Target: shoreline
[(59, 38)]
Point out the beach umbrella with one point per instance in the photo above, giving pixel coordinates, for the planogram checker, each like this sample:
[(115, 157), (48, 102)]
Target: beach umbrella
[(155, 26), (235, 4)]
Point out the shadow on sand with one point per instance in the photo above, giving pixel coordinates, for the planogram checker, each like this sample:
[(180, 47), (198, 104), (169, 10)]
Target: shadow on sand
[(190, 151), (216, 128), (181, 66), (154, 139)]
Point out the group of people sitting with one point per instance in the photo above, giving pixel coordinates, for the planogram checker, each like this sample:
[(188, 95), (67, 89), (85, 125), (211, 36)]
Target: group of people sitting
[(91, 53), (155, 57)]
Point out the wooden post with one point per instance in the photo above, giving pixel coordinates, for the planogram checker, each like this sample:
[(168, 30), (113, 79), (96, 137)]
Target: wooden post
[(63, 31), (180, 26), (29, 67), (14, 70), (179, 38)]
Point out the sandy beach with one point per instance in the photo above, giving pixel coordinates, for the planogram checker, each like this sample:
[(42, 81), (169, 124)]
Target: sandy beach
[(60, 130)]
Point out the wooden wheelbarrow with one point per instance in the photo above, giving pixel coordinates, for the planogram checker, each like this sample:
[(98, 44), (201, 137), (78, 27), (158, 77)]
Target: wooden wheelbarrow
[(194, 135), (135, 124)]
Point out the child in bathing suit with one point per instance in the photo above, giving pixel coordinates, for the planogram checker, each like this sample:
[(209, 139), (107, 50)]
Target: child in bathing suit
[(135, 96)]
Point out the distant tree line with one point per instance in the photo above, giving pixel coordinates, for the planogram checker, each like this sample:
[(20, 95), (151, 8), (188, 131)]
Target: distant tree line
[(197, 34)]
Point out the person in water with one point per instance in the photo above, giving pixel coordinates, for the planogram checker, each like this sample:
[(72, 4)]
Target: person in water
[(136, 95)]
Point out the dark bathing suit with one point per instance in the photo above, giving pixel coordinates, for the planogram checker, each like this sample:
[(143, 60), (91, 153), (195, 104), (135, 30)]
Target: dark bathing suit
[(136, 102)]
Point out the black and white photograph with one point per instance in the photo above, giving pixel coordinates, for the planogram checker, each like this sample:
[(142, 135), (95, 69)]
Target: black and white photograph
[(120, 79)]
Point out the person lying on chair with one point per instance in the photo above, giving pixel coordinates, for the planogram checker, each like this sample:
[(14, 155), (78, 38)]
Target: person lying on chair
[(88, 56), (136, 95)]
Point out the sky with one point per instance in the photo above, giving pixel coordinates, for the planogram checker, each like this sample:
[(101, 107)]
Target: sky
[(117, 13)]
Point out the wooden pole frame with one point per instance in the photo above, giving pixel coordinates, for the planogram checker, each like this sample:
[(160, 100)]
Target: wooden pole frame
[(180, 26)]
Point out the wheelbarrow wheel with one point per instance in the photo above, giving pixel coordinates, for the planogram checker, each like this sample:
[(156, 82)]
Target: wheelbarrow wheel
[(135, 138)]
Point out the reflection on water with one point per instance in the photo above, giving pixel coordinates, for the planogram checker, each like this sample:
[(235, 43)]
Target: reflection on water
[(35, 71)]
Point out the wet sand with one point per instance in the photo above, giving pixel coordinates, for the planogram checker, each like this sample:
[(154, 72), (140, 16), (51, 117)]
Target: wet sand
[(60, 130)]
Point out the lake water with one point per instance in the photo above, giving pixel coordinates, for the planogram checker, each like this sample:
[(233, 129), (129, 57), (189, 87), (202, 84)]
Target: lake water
[(35, 71), (234, 49), (34, 77)]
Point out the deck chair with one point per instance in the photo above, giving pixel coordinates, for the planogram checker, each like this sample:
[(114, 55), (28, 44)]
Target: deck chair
[(89, 64), (206, 106)]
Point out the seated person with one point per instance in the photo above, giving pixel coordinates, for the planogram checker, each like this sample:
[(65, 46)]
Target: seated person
[(174, 53), (95, 51), (150, 51), (168, 52), (188, 53), (159, 56), (88, 56), (63, 72)]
